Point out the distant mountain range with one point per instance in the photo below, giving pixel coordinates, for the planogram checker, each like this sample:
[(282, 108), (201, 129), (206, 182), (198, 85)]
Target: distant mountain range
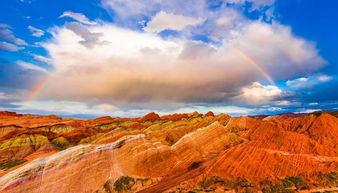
[(189, 152)]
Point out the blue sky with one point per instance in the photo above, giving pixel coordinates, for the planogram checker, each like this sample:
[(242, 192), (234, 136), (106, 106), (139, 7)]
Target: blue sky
[(127, 57)]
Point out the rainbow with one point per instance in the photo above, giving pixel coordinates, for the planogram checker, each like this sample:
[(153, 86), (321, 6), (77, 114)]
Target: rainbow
[(37, 88), (255, 63)]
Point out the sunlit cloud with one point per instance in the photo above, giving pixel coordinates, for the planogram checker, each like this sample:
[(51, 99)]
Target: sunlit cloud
[(324, 78), (150, 69), (308, 110), (313, 104), (41, 58), (35, 31), (30, 66), (166, 56), (256, 4), (260, 94), (74, 107), (4, 96), (7, 34), (78, 17), (308, 82), (106, 107), (163, 21), (9, 47)]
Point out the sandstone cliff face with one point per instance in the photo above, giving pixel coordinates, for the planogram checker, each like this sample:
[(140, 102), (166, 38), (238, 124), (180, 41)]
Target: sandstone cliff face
[(274, 151), (78, 169), (160, 153), (7, 114), (150, 117)]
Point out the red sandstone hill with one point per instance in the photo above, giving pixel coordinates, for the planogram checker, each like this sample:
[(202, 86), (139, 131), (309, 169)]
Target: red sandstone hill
[(171, 153)]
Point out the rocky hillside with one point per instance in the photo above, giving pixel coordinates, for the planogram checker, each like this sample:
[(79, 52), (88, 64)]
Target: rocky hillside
[(172, 153)]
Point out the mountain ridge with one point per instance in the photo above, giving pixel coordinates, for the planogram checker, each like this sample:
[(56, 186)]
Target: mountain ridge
[(164, 153)]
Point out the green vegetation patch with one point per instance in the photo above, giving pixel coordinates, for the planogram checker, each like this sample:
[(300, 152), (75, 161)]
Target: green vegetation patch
[(332, 178), (286, 185), (124, 183), (114, 125), (244, 183), (61, 142), (24, 141), (298, 181), (143, 181), (277, 188), (90, 139), (127, 124), (10, 164), (61, 128), (234, 139), (107, 187), (108, 126), (153, 128), (210, 181)]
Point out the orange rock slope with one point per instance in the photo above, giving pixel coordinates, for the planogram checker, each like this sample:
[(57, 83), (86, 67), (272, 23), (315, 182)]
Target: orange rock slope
[(172, 153)]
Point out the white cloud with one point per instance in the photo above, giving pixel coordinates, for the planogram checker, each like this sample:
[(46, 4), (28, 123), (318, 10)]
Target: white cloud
[(162, 21), (324, 78), (308, 110), (278, 50), (30, 66), (260, 94), (41, 58), (224, 21), (78, 17), (106, 107), (150, 69), (286, 102), (313, 104), (216, 109), (4, 96), (126, 9), (256, 4), (274, 109), (89, 39), (26, 1), (231, 110), (35, 31), (308, 82), (297, 83), (61, 107), (7, 34), (3, 25), (283, 103), (136, 68), (9, 47), (73, 107)]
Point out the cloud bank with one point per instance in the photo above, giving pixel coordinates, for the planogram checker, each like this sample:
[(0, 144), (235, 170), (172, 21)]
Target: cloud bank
[(140, 67), (169, 56)]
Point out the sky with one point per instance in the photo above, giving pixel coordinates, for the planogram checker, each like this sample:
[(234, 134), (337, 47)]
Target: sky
[(128, 57)]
